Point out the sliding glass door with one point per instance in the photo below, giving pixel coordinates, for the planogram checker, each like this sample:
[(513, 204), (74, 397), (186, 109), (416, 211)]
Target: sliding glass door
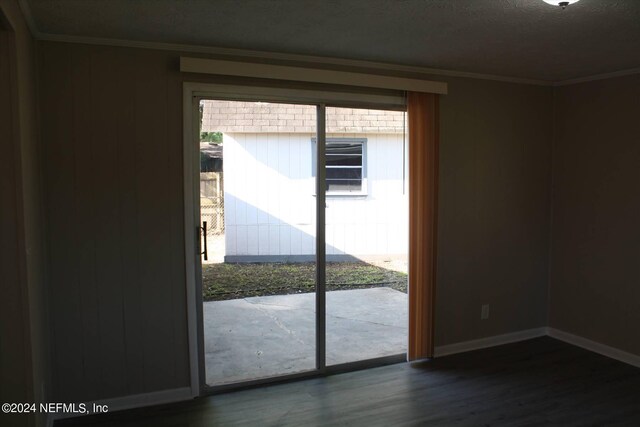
[(259, 276), (366, 234), (303, 231)]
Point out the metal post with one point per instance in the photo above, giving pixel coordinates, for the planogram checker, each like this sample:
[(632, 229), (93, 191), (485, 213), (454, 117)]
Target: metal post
[(320, 238)]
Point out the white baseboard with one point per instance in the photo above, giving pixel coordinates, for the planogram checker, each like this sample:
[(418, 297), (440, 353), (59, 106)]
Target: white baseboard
[(596, 347), (132, 401), (492, 341)]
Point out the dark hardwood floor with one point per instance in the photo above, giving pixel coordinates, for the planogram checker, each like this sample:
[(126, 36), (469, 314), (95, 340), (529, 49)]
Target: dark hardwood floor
[(532, 383)]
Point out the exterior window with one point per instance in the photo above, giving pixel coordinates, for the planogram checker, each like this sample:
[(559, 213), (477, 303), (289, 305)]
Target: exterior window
[(345, 166), (346, 163)]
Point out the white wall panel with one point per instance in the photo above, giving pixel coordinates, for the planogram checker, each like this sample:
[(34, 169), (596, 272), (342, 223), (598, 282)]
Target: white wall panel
[(274, 240), (251, 177), (307, 239), (285, 239), (296, 241), (230, 240), (261, 183), (252, 243), (242, 240), (269, 196), (263, 239)]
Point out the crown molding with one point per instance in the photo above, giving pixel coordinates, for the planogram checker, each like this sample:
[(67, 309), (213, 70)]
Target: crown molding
[(310, 59), (595, 77)]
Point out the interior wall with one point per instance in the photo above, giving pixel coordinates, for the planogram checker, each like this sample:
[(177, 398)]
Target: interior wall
[(112, 130), (594, 290), (112, 126), (494, 209), (15, 363), (23, 326)]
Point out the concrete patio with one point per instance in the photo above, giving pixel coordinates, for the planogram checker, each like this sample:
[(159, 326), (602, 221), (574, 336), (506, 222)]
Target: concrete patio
[(275, 335)]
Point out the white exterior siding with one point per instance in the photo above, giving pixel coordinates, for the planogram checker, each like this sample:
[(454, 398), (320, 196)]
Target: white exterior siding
[(270, 204)]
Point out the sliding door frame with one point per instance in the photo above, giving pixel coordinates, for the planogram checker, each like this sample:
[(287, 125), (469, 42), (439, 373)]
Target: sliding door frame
[(193, 93), (321, 248)]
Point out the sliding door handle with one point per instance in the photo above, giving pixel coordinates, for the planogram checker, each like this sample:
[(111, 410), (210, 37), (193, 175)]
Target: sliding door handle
[(204, 238)]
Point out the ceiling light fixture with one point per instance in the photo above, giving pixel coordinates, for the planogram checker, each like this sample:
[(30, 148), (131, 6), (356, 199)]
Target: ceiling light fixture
[(562, 4)]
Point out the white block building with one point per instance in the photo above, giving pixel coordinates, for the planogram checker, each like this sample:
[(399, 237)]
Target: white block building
[(269, 182)]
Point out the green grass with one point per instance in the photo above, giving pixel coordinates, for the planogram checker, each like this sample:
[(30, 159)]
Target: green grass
[(231, 281)]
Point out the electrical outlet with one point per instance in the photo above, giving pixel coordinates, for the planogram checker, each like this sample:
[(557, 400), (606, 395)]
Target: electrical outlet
[(484, 313)]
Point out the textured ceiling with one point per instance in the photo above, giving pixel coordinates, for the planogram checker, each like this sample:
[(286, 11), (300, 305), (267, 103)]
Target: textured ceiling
[(514, 38)]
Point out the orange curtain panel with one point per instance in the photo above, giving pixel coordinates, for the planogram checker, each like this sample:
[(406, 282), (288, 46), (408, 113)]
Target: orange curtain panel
[(422, 110)]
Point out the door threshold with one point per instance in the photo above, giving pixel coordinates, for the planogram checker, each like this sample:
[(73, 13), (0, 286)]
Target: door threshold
[(341, 368)]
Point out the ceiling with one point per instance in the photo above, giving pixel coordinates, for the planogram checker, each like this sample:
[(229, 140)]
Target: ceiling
[(512, 38)]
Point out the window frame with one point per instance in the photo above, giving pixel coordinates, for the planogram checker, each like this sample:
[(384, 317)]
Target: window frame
[(363, 192)]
